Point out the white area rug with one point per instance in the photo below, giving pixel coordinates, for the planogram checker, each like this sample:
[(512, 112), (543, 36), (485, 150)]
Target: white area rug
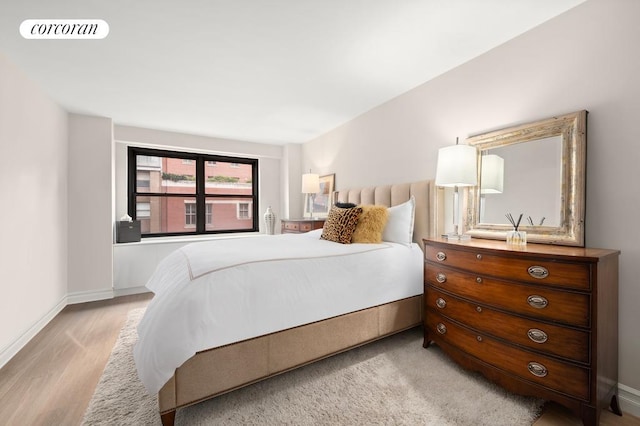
[(391, 382)]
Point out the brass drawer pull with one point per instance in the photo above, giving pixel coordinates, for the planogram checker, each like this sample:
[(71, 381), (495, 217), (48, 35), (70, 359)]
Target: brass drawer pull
[(539, 272), (441, 303), (537, 302), (479, 280), (479, 338), (442, 329), (479, 256), (537, 369), (441, 277), (478, 308), (537, 335), (441, 256)]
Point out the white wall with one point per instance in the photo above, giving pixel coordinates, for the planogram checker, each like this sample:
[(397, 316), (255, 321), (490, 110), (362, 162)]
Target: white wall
[(584, 59), (90, 207), (292, 202), (33, 208)]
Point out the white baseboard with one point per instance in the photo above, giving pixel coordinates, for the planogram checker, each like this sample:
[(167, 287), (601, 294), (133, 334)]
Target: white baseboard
[(13, 348), (629, 400), (131, 290), (89, 296)]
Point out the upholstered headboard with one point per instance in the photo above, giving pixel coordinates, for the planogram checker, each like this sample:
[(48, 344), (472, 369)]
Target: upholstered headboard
[(424, 192)]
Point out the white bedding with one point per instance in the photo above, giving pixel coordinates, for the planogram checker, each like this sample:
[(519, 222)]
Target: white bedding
[(218, 292)]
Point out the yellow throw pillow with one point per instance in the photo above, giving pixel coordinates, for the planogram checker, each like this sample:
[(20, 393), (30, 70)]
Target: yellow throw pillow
[(370, 225)]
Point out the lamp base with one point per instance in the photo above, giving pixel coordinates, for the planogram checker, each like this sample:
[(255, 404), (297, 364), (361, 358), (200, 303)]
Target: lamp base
[(456, 237)]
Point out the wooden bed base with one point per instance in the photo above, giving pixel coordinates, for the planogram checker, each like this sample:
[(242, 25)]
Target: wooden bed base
[(216, 371)]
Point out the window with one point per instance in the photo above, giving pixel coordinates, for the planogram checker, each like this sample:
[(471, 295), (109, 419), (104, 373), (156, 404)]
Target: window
[(209, 218), (190, 214), (243, 210), (148, 161), (173, 193), (143, 210), (144, 179)]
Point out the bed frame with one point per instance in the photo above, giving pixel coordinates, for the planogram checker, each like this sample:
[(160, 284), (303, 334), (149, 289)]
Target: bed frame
[(249, 361)]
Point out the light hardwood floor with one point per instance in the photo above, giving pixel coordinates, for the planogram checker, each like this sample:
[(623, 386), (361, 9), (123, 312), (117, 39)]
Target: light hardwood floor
[(51, 380)]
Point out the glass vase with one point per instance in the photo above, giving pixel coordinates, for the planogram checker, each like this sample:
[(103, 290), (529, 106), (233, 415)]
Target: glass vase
[(517, 238)]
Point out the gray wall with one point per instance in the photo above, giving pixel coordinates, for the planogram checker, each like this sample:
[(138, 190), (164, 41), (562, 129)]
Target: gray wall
[(587, 59)]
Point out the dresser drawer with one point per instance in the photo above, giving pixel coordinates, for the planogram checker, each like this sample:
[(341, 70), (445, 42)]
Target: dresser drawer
[(537, 271), (535, 301), (291, 226), (298, 226), (306, 227), (551, 339), (562, 377)]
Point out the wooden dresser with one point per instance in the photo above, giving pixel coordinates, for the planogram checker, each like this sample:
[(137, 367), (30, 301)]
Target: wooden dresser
[(298, 226), (539, 320)]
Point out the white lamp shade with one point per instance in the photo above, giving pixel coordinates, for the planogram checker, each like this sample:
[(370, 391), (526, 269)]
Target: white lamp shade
[(491, 174), (310, 183), (457, 166)]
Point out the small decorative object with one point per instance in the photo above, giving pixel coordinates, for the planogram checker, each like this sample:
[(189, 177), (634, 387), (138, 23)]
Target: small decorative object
[(269, 221), (515, 237)]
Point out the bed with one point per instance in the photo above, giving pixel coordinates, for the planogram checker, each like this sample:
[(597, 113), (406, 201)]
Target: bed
[(307, 300)]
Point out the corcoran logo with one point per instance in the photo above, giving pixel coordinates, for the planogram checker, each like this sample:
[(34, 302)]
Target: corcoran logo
[(64, 28)]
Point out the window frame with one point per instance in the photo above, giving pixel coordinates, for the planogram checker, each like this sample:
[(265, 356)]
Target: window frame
[(200, 194)]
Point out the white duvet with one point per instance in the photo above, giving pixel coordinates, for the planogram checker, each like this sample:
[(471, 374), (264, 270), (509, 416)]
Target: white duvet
[(213, 293)]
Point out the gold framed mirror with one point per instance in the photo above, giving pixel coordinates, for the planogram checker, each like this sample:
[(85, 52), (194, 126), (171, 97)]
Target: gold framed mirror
[(543, 165)]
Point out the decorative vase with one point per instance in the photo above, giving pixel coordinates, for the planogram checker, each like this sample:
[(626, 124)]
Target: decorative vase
[(517, 238), (269, 221)]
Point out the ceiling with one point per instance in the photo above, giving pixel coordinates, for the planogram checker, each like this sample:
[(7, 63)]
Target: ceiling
[(270, 71)]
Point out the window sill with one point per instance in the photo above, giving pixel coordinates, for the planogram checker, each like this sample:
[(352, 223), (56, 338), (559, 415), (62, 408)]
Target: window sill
[(189, 239)]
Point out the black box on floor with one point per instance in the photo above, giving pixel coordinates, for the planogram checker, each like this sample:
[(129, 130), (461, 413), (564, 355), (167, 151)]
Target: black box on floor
[(128, 232)]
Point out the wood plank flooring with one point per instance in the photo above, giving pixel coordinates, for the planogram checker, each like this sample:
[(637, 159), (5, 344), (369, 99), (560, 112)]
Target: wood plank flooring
[(51, 380)]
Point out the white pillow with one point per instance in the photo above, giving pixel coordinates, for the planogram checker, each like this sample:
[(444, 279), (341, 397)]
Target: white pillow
[(399, 227)]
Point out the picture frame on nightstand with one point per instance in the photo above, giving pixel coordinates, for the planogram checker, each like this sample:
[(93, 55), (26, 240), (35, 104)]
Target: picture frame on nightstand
[(322, 200)]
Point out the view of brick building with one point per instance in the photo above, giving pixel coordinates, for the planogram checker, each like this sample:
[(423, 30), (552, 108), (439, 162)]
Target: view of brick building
[(169, 213)]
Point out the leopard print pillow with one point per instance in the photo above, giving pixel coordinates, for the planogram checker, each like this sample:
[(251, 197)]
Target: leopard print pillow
[(340, 224)]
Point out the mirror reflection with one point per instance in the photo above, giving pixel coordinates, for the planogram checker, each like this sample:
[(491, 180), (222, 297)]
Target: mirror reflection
[(530, 176)]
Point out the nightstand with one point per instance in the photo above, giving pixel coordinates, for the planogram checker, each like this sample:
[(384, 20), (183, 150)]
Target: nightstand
[(299, 226)]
